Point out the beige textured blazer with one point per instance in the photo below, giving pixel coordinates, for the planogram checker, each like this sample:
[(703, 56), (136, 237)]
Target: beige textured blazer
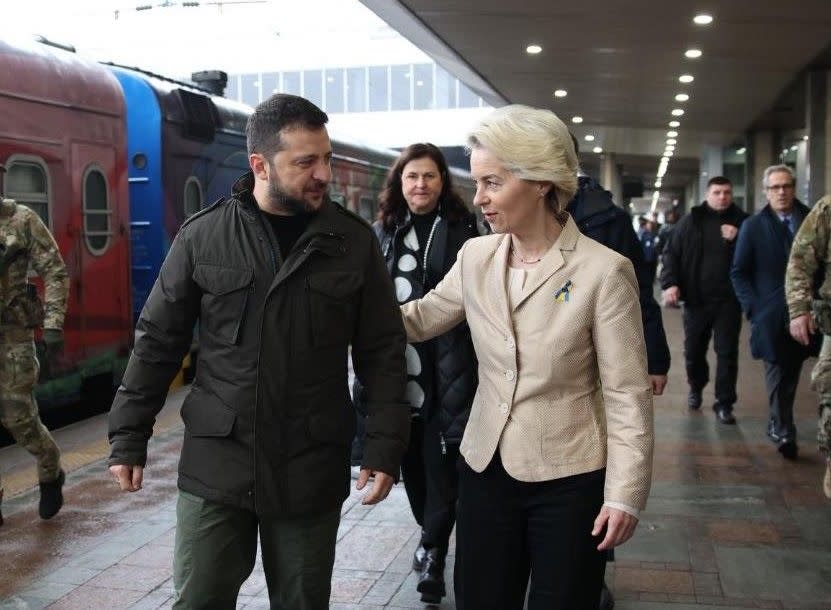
[(563, 384)]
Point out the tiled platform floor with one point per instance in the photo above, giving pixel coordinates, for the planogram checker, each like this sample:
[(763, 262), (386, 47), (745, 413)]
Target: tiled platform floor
[(729, 524)]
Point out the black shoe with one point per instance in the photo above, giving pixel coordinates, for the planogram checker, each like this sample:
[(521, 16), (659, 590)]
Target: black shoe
[(694, 400), (725, 416), (51, 497), (788, 449), (431, 581), (607, 600), (418, 558)]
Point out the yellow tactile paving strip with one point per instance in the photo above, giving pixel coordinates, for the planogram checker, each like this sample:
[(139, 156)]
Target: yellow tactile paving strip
[(21, 480)]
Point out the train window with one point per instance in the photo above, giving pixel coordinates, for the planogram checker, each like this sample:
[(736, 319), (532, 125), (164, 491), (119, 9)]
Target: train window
[(365, 207), (291, 83), (271, 84), (27, 183), (467, 98), (445, 89), (193, 196), (96, 211), (250, 87)]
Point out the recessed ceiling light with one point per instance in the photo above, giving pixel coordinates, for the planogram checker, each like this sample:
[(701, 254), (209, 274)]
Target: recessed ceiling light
[(805, 138), (682, 97), (658, 184), (741, 151), (693, 53), (686, 78), (419, 83), (674, 124), (670, 148), (533, 49), (672, 142), (589, 138), (597, 150), (672, 134), (794, 147), (560, 93), (677, 112), (668, 153), (703, 19), (576, 119)]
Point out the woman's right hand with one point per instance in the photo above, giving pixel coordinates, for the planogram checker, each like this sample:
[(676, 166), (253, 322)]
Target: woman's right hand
[(620, 526)]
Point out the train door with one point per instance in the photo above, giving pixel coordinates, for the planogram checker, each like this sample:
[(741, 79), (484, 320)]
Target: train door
[(102, 288)]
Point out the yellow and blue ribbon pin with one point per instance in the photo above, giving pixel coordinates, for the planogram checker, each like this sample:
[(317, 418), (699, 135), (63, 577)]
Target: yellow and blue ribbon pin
[(564, 293)]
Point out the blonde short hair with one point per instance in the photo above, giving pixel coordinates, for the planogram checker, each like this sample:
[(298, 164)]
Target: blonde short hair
[(533, 144)]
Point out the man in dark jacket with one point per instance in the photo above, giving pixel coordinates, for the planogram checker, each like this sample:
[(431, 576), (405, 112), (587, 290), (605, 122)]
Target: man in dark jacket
[(758, 276), (281, 282), (696, 270)]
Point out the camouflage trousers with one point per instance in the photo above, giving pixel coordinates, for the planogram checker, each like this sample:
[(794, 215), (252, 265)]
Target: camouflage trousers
[(821, 382), (19, 370)]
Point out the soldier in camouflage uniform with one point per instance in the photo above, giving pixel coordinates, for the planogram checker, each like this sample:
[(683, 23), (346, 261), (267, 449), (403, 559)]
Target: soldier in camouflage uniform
[(26, 242), (811, 252)]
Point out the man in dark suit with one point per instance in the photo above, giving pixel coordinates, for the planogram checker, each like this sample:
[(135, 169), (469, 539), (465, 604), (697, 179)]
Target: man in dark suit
[(758, 276)]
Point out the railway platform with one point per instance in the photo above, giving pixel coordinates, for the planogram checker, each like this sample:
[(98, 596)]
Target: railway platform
[(729, 524)]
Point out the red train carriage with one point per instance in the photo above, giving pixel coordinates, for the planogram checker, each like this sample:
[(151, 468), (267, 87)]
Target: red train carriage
[(62, 139)]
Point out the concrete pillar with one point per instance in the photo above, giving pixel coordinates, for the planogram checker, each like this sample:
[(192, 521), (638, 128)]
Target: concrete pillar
[(817, 126), (710, 165), (611, 178), (827, 135), (760, 154)]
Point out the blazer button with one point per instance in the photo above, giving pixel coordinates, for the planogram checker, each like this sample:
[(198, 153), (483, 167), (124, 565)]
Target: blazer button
[(503, 408), (511, 345), (509, 375)]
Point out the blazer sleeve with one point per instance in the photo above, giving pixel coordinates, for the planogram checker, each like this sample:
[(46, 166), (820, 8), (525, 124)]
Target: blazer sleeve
[(741, 272), (627, 395), (440, 309)]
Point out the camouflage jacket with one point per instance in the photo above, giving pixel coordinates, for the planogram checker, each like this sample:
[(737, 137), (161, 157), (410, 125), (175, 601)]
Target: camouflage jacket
[(811, 249), (25, 241)]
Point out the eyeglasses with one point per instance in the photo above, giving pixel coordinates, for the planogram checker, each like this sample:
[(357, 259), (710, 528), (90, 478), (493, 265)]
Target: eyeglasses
[(780, 187)]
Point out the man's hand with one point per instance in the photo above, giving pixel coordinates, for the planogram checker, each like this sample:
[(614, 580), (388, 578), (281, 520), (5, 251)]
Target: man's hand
[(620, 526), (659, 382), (672, 295), (802, 327), (128, 478), (53, 341), (380, 488), (729, 232)]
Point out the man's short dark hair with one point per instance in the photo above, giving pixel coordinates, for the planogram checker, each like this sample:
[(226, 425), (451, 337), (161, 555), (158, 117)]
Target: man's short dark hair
[(719, 180), (280, 111)]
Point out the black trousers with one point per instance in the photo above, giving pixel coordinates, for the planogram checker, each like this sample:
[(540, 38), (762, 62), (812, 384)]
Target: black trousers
[(508, 528), (721, 320), (431, 481), (781, 380)]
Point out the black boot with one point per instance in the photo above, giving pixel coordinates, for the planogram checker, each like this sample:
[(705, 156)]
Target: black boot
[(51, 497), (431, 581), (418, 558)]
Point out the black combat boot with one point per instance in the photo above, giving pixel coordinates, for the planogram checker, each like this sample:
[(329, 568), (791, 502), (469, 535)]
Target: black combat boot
[(51, 497), (431, 581)]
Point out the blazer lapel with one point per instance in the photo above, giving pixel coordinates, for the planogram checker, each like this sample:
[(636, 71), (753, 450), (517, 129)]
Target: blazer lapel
[(497, 286), (551, 262)]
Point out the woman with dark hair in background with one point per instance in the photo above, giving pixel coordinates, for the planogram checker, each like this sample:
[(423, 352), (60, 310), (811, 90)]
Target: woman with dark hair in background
[(422, 223)]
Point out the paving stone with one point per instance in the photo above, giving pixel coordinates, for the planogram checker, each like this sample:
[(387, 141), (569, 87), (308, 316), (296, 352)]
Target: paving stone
[(371, 548), (653, 581), (770, 573), (87, 597), (743, 532), (657, 540), (726, 501), (130, 577)]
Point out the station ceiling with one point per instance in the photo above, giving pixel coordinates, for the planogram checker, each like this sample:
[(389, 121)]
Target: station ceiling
[(620, 63)]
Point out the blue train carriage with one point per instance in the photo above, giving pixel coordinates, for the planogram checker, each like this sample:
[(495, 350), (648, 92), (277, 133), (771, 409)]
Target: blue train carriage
[(185, 149)]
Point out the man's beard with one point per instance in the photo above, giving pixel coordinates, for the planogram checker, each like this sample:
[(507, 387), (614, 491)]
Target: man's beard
[(286, 202)]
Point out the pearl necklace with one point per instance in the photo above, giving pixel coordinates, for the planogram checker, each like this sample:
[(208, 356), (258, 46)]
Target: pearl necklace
[(522, 260)]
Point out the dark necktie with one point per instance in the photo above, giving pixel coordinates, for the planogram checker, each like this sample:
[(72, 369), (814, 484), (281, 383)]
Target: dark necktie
[(788, 222)]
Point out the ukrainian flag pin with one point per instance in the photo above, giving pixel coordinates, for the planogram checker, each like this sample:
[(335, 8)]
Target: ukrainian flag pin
[(564, 293)]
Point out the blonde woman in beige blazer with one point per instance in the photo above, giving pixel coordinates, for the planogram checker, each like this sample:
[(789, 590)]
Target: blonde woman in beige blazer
[(557, 455)]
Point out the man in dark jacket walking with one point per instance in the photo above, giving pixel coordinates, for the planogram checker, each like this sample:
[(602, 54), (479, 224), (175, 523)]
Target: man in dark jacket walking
[(758, 276), (281, 282), (696, 270)]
